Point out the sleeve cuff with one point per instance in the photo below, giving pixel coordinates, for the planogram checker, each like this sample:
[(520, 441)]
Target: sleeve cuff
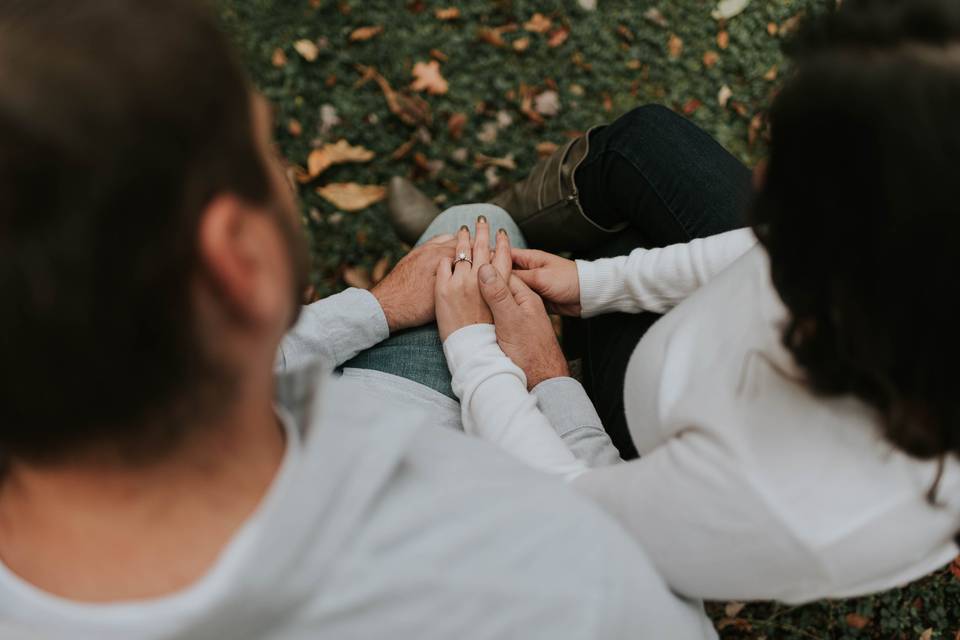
[(600, 285), (565, 404), (466, 342)]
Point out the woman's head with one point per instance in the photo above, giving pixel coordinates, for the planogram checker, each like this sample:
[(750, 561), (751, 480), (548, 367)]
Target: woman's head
[(860, 212)]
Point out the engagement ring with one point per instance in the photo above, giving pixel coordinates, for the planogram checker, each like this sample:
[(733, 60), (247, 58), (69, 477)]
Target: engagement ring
[(462, 257)]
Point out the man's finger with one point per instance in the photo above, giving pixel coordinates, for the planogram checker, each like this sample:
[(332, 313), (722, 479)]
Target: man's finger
[(496, 293), (440, 239), (522, 293), (531, 278), (502, 258)]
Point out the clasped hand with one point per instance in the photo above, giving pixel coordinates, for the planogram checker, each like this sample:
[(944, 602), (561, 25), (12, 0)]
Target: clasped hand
[(460, 281)]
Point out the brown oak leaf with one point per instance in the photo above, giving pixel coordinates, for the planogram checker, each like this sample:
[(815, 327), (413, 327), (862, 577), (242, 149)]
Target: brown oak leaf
[(427, 77), (351, 196)]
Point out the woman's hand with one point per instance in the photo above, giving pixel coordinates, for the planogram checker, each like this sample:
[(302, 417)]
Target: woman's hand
[(524, 330), (458, 300), (554, 278)]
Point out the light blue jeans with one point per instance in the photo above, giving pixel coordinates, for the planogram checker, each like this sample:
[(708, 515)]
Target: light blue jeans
[(417, 354)]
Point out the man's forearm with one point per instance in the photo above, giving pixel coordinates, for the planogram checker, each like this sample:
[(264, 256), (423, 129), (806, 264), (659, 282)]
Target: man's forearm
[(333, 330)]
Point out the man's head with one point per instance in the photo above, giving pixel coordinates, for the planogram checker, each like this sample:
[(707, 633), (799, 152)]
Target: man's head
[(860, 212), (149, 249)]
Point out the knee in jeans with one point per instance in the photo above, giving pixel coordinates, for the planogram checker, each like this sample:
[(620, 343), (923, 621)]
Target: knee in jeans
[(646, 120)]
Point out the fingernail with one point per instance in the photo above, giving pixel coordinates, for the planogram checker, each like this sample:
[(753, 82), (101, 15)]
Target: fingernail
[(487, 274), (464, 228), (502, 231), (482, 219)]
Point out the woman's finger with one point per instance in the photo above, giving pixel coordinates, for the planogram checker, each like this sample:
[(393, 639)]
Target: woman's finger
[(481, 244), (530, 258), (463, 260), (502, 257)]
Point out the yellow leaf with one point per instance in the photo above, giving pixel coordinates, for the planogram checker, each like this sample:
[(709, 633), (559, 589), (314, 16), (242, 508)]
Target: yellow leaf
[(427, 77), (328, 155), (539, 23), (733, 609), (357, 277), (710, 59), (675, 46), (307, 49), (723, 39), (351, 196), (365, 33), (521, 44), (451, 13), (279, 58)]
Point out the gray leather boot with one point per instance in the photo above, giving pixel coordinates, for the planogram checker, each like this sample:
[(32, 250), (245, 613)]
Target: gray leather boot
[(546, 205), (410, 210)]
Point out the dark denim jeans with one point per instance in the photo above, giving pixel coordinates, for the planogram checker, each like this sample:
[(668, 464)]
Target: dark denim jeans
[(672, 182)]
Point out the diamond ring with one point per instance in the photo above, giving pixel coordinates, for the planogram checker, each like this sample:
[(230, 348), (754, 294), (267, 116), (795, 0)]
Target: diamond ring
[(462, 257)]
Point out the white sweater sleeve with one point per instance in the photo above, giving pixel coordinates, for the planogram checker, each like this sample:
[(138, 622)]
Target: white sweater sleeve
[(496, 405), (657, 279)]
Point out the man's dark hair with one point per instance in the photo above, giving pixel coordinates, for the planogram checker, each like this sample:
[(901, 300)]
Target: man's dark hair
[(860, 213), (119, 121)]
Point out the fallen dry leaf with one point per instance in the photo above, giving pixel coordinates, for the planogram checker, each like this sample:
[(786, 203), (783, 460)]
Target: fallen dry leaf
[(539, 23), (691, 106), (439, 55), (737, 623), (607, 102), (558, 37), (307, 49), (495, 36), (675, 46), (723, 39), (634, 65), (710, 59), (328, 155), (926, 635), (547, 103), (733, 609), (357, 277), (790, 25), (545, 149), (488, 132), (857, 621), (279, 58), (772, 28), (427, 77), (294, 128), (351, 196), (771, 75), (380, 269), (526, 104), (506, 162), (412, 110), (521, 44), (955, 568), (455, 125), (588, 5), (451, 13), (729, 9), (656, 17), (328, 118), (365, 33), (723, 97)]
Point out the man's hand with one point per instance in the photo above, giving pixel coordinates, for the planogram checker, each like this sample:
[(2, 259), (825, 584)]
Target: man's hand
[(554, 278), (406, 294), (524, 330)]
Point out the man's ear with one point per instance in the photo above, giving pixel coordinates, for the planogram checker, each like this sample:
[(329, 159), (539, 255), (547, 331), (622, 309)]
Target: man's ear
[(239, 249)]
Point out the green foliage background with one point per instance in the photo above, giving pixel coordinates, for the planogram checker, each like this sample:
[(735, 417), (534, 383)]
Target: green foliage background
[(596, 81)]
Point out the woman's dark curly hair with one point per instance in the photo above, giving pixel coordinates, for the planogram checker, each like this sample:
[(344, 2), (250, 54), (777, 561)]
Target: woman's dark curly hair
[(860, 213)]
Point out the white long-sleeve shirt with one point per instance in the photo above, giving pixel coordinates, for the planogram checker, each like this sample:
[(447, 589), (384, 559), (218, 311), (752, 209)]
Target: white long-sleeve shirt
[(748, 486)]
